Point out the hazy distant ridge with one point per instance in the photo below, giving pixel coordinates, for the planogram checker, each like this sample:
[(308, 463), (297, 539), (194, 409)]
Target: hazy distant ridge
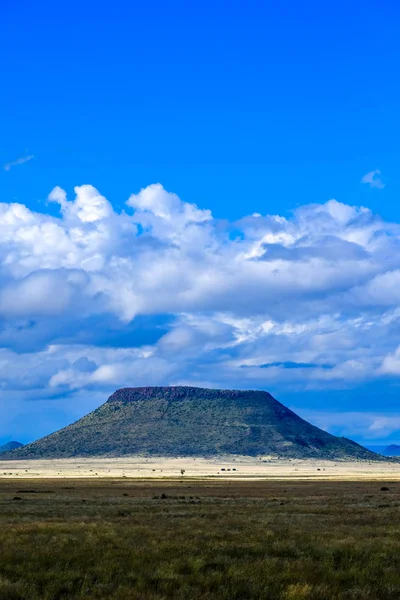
[(392, 450), (10, 446)]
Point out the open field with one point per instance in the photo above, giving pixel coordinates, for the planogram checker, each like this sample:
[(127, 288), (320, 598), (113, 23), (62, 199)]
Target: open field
[(229, 467), (181, 539)]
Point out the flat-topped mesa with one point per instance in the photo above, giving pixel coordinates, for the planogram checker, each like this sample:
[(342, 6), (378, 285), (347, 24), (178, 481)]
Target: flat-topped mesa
[(191, 421)]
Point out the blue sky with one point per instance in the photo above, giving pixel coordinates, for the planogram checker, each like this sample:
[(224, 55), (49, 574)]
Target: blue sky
[(237, 109)]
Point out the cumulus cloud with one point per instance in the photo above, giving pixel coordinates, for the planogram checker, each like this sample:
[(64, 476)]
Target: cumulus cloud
[(373, 179), (391, 363), (45, 292), (19, 161), (163, 293)]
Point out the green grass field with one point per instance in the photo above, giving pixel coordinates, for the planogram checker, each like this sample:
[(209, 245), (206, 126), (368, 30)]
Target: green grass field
[(199, 540)]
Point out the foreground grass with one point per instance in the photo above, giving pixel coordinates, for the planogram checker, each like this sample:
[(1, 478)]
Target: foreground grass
[(156, 540)]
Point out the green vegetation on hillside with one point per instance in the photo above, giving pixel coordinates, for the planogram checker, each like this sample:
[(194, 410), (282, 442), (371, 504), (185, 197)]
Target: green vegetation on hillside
[(80, 540), (186, 421)]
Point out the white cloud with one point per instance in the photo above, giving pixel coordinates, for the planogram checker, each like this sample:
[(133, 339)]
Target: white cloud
[(391, 363), (373, 179), (44, 292), (19, 161), (89, 206), (166, 206)]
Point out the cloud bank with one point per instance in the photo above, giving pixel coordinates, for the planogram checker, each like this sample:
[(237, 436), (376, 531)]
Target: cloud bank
[(163, 293)]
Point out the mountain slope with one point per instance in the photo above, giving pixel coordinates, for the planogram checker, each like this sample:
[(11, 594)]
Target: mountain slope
[(392, 450), (10, 446), (188, 421)]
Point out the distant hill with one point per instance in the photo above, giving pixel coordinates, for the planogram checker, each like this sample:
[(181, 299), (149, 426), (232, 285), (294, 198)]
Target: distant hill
[(189, 421), (376, 449), (10, 446), (392, 450)]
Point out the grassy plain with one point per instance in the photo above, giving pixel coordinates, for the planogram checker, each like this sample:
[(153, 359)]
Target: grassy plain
[(221, 467), (189, 539)]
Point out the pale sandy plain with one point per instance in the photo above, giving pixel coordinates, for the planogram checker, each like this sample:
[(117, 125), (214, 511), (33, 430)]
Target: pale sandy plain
[(227, 467)]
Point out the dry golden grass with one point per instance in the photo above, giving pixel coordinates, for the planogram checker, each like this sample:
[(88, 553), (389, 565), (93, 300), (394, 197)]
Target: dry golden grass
[(219, 467), (126, 539)]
